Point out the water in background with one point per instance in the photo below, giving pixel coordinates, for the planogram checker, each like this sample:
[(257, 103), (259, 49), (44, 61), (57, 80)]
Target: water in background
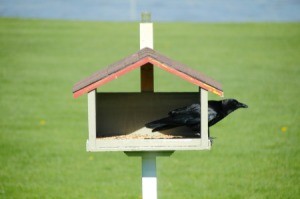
[(162, 10)]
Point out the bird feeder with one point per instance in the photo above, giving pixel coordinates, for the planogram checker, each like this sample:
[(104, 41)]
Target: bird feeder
[(116, 121)]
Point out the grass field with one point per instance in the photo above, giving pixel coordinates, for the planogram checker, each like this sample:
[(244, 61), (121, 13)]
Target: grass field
[(43, 130)]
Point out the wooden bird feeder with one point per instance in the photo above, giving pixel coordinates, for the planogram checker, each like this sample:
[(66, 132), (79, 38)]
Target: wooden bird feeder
[(116, 121)]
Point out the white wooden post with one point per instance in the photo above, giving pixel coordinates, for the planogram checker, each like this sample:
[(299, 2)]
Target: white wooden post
[(204, 118), (91, 143), (149, 180), (146, 31)]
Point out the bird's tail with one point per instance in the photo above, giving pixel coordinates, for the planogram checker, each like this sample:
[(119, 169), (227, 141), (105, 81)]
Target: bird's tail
[(161, 124)]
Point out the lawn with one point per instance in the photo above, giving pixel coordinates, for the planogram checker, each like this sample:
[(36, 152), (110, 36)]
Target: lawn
[(43, 130)]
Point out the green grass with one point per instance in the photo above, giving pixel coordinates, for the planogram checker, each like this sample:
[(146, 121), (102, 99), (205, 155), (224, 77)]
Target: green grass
[(43, 129)]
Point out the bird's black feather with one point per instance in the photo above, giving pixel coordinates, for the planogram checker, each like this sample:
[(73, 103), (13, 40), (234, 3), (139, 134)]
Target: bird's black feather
[(190, 115)]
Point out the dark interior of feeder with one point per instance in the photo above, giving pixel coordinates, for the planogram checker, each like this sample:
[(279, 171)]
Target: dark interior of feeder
[(124, 115)]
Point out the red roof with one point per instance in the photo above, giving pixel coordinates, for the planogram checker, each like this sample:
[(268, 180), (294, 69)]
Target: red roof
[(138, 59)]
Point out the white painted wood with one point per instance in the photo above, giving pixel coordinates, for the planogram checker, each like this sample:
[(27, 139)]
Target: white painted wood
[(149, 180), (204, 118), (146, 35), (149, 144), (92, 99)]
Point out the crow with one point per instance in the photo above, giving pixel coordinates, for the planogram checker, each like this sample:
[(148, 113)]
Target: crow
[(190, 115)]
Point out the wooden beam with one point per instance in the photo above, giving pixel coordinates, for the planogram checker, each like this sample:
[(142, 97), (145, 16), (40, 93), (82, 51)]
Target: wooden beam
[(147, 79), (92, 119), (204, 118), (146, 40)]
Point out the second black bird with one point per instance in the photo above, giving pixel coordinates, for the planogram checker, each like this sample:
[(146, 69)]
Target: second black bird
[(190, 115)]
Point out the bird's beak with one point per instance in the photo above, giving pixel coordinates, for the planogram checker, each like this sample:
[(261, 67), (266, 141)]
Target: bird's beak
[(241, 105)]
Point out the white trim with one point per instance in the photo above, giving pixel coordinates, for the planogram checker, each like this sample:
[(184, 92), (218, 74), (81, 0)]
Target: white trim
[(149, 144), (91, 144), (204, 118)]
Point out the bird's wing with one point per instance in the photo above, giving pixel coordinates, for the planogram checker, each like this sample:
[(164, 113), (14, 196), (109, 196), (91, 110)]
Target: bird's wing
[(172, 122), (188, 115), (212, 114), (215, 120), (162, 124), (185, 119), (187, 110)]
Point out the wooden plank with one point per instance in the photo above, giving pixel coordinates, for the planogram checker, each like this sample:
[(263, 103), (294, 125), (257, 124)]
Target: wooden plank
[(204, 117), (149, 145), (92, 98)]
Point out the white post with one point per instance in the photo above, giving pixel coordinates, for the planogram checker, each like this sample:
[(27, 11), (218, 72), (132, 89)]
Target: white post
[(92, 96), (149, 181), (204, 118), (146, 31)]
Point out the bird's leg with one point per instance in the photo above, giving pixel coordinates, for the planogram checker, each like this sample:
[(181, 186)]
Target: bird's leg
[(210, 138)]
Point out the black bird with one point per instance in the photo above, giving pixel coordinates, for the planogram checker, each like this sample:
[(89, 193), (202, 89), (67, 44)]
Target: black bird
[(190, 115)]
